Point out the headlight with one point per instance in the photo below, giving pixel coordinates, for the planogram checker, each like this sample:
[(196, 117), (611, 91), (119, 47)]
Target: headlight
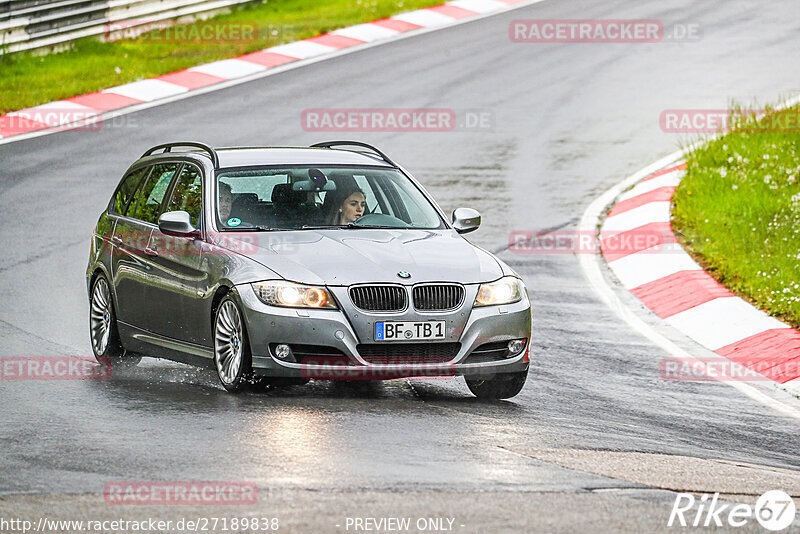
[(291, 295), (507, 290)]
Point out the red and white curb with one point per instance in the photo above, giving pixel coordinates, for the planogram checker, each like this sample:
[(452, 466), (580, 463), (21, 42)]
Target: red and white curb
[(79, 109), (673, 286)]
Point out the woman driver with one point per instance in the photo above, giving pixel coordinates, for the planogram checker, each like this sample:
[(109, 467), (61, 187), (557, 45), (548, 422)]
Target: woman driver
[(350, 205)]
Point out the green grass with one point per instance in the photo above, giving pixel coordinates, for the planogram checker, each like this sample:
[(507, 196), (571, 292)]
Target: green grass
[(739, 210), (28, 79)]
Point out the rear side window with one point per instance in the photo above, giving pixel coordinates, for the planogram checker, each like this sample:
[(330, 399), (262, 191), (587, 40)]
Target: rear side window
[(127, 190), (148, 207), (188, 193)]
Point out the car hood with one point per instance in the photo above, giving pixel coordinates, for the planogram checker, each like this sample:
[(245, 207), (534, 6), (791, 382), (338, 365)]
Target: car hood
[(340, 257)]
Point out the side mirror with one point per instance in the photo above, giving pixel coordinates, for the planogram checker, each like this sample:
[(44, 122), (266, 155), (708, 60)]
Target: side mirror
[(178, 223), (466, 220)]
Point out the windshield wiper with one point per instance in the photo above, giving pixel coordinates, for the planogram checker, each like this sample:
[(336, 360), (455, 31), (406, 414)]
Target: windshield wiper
[(349, 226), (257, 228), (319, 226), (376, 226)]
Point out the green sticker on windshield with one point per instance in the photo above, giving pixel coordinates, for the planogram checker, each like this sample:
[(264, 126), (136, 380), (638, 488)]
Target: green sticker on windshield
[(234, 221)]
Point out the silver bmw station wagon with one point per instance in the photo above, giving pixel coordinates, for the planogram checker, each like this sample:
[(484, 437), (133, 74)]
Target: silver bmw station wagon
[(280, 265)]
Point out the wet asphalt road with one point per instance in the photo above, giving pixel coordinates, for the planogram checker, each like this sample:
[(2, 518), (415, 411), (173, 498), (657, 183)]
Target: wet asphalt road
[(567, 122)]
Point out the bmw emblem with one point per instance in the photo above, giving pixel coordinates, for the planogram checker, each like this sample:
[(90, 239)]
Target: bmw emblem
[(403, 274)]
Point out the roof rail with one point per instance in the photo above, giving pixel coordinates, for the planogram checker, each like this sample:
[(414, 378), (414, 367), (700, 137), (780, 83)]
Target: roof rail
[(331, 144), (167, 147)]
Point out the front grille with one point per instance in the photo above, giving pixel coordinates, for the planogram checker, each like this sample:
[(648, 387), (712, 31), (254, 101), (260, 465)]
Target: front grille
[(408, 352), (488, 352), (379, 298), (438, 296)]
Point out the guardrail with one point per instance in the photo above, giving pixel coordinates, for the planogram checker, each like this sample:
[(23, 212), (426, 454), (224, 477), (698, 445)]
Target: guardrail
[(30, 24)]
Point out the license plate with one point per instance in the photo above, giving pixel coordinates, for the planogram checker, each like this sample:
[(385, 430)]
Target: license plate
[(409, 330)]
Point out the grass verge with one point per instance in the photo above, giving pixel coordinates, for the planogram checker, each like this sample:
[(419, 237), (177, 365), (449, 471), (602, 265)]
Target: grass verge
[(28, 79), (739, 211)]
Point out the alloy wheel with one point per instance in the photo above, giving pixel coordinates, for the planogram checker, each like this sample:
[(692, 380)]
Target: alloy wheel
[(100, 317), (228, 342)]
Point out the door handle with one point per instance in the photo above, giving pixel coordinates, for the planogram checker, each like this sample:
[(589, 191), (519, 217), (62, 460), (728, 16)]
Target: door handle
[(151, 251), (116, 239)]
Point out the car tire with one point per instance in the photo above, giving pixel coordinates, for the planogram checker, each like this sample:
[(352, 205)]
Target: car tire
[(103, 332), (232, 358), (502, 386)]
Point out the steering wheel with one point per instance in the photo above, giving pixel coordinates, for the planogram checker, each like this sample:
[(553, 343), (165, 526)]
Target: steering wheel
[(380, 219)]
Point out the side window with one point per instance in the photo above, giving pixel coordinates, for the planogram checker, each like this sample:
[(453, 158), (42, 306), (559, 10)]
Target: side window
[(127, 190), (148, 207), (188, 193)]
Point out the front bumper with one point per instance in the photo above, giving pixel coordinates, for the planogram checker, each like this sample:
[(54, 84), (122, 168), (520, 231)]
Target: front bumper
[(269, 325)]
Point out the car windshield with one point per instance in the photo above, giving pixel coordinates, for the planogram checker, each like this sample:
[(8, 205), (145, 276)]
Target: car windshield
[(297, 198)]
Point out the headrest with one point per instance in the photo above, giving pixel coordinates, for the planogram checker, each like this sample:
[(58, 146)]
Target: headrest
[(245, 199), (283, 195)]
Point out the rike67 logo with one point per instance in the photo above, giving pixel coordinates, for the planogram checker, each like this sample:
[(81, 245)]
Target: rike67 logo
[(774, 510)]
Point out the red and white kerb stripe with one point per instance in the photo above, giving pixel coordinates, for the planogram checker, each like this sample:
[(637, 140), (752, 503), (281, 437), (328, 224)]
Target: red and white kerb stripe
[(78, 108), (671, 284)]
